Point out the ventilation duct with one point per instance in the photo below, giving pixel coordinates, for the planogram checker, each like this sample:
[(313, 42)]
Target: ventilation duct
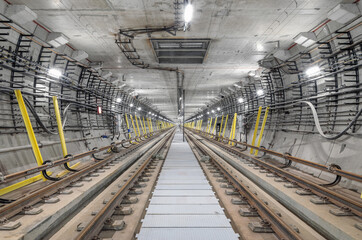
[(344, 12), (20, 14)]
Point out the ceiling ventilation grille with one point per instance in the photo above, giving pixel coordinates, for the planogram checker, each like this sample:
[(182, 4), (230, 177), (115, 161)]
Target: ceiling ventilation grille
[(180, 51)]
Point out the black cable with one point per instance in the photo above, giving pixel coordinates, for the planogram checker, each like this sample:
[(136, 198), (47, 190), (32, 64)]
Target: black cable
[(37, 118)]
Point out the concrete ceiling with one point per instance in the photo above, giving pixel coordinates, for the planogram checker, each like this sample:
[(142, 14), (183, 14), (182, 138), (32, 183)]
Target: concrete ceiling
[(241, 33)]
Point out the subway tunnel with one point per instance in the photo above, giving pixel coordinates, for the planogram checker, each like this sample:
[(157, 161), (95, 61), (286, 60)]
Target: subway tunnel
[(180, 119)]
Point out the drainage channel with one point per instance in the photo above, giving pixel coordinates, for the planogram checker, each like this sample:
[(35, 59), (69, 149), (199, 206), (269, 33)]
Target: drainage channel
[(183, 204)]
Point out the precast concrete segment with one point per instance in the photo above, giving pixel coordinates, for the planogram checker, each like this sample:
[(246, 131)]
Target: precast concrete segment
[(183, 205)]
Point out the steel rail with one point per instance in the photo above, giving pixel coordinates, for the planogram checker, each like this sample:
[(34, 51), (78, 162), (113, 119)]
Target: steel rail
[(336, 198), (18, 205), (329, 169), (24, 173), (281, 229), (96, 224)]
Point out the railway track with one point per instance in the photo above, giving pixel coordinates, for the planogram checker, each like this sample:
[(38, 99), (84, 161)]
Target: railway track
[(345, 202), (104, 216), (281, 229), (26, 201), (220, 152)]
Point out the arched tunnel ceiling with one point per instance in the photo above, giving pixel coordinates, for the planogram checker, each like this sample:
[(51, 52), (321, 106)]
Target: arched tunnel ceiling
[(241, 33)]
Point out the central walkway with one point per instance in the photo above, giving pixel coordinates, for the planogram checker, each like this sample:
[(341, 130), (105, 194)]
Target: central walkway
[(183, 205)]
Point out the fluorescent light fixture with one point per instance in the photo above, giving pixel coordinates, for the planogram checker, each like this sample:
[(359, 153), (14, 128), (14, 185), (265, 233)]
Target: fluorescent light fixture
[(305, 39), (112, 106), (308, 43), (240, 100), (139, 109), (313, 71), (119, 100), (344, 12), (259, 92), (57, 39), (188, 13), (218, 109), (251, 73), (54, 72), (131, 105), (259, 47)]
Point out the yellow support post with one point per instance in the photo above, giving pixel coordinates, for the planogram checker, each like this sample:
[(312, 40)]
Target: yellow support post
[(148, 124), (226, 121), (29, 129), (208, 130), (151, 125), (256, 129), (134, 128), (128, 129), (138, 128), (231, 131), (142, 128), (262, 130), (234, 129), (60, 127), (213, 129), (222, 120)]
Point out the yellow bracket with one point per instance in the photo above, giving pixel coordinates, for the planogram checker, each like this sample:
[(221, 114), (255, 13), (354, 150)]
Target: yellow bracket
[(232, 130), (256, 129), (144, 124), (138, 128), (208, 130), (29, 129), (226, 121), (134, 128), (262, 129), (142, 128), (60, 127)]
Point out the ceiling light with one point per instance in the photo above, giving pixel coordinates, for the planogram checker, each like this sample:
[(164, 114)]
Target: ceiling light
[(54, 72), (218, 109), (313, 71), (119, 100), (188, 13), (208, 112), (112, 106), (149, 112), (131, 105), (240, 100), (259, 92), (212, 111), (139, 109)]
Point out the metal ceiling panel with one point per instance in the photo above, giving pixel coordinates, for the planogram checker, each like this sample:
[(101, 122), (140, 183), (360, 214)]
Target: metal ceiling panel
[(180, 51)]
